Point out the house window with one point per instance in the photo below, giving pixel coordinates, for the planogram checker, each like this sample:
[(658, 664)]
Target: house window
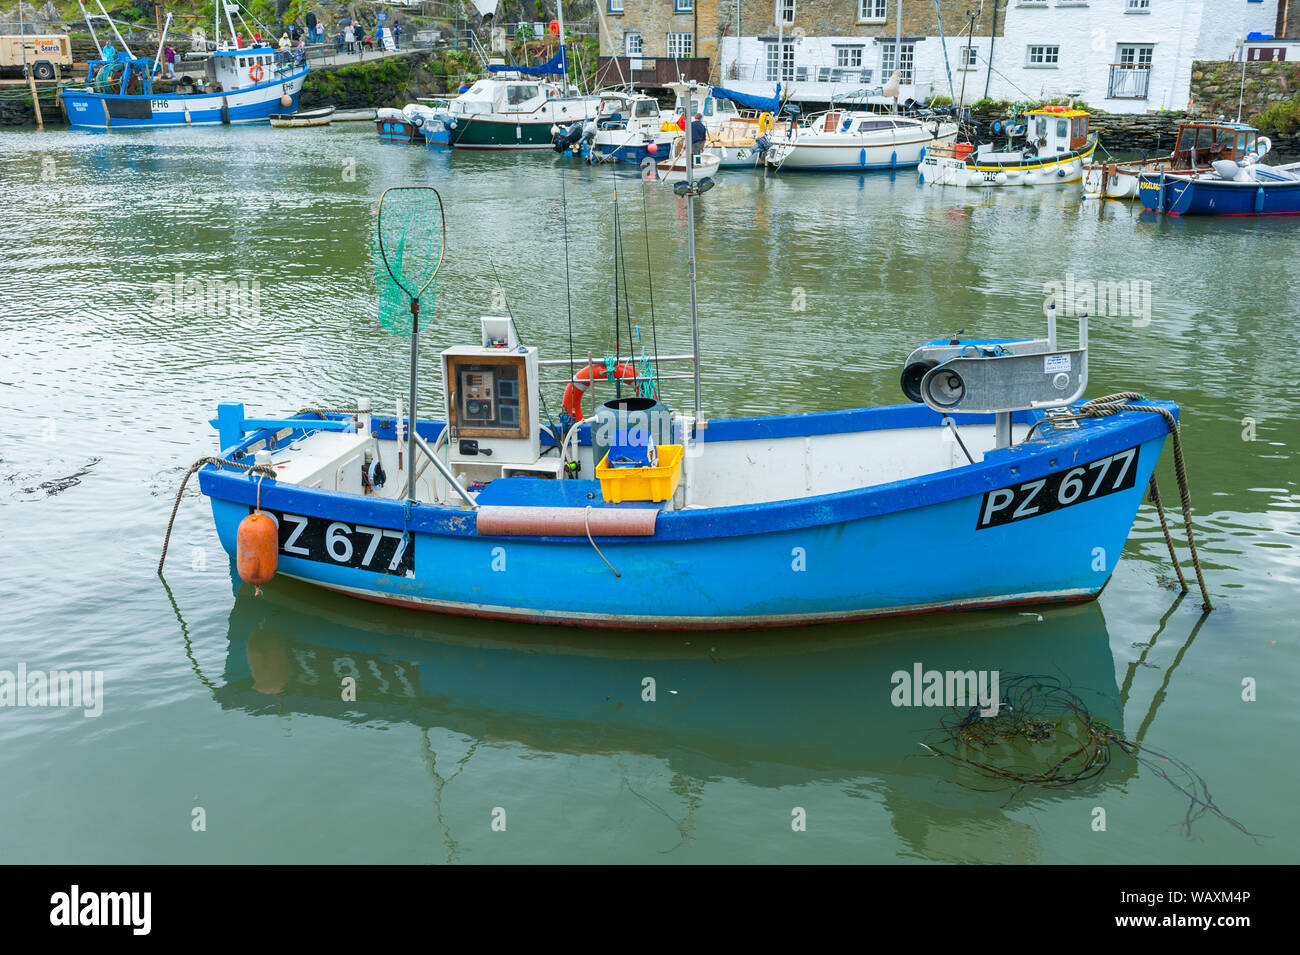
[(967, 58), (615, 6), (1138, 55), (1138, 6), (1044, 56), (901, 60), (780, 66), (785, 11), (679, 45), (848, 57), (632, 44), (683, 6), (872, 11)]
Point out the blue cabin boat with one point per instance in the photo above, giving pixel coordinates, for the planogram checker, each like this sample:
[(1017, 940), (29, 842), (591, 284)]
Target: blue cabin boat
[(239, 86), (1234, 188), (998, 488)]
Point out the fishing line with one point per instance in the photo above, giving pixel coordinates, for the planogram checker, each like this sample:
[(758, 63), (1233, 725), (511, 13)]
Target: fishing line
[(649, 277)]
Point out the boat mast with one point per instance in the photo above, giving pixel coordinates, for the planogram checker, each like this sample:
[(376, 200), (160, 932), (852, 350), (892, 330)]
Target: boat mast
[(564, 53), (690, 241)]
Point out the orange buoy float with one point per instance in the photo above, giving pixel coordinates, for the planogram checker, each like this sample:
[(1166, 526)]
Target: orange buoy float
[(598, 370), (257, 549)]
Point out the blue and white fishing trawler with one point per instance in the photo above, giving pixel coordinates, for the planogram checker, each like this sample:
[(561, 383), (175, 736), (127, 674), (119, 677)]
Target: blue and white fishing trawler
[(240, 85), (996, 487), (998, 490)]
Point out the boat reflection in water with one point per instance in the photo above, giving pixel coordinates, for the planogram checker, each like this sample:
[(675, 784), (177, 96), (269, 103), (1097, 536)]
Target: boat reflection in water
[(763, 709)]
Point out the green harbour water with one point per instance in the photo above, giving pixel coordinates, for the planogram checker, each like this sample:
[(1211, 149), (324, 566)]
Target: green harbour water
[(812, 291)]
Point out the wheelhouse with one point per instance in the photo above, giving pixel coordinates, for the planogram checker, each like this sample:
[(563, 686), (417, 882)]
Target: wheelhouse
[(1202, 143), (1057, 129)]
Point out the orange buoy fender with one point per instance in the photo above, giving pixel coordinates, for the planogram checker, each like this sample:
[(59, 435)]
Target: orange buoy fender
[(257, 549)]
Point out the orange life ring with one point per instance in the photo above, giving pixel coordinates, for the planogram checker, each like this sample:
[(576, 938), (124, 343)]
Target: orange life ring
[(1056, 109), (575, 389), (553, 28), (255, 72)]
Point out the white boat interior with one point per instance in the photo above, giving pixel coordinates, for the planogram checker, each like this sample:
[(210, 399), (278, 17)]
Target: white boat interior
[(497, 434)]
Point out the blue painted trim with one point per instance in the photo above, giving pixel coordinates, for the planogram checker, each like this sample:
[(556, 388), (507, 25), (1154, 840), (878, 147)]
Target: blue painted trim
[(1053, 450)]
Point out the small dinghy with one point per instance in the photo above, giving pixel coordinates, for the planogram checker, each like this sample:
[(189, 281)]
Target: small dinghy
[(704, 166), (312, 117), (995, 486)]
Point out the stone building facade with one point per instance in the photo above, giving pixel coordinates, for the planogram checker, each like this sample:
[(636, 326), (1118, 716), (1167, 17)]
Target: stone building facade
[(658, 28)]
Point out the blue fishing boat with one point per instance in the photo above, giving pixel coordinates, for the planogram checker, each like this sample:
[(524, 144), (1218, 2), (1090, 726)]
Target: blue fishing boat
[(239, 85), (1233, 188), (996, 486)]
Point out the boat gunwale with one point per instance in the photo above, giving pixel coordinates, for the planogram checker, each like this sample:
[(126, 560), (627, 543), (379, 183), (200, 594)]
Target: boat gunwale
[(999, 468)]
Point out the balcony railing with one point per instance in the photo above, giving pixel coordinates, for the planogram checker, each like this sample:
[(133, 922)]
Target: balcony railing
[(649, 70), (1129, 80)]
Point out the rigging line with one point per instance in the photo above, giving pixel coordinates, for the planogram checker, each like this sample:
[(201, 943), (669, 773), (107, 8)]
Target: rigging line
[(654, 332), (556, 434), (627, 303), (568, 295)]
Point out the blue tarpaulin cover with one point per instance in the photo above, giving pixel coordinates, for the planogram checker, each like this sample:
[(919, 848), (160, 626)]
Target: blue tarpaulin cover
[(554, 65), (764, 104)]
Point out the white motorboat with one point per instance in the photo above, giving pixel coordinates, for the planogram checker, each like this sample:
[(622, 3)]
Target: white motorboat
[(856, 141)]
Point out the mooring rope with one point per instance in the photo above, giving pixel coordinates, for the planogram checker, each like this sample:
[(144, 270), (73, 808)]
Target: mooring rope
[(586, 520), (1114, 404), (263, 469), (328, 411)]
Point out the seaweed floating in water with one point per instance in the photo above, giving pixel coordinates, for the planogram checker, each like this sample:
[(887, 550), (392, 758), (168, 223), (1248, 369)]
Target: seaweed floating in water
[(57, 485), (1043, 735)]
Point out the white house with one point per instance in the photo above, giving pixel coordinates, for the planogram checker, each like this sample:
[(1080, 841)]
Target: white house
[(1122, 56)]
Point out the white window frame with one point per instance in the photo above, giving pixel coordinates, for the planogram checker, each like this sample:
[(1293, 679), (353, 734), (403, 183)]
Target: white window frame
[(627, 43), (1049, 57), (968, 57), (1139, 51), (615, 6), (889, 61), (773, 61), (685, 46), (873, 11), (683, 6), (1137, 6), (848, 53), (785, 12)]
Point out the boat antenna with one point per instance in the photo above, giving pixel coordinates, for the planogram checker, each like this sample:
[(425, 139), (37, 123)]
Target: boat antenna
[(690, 249), (568, 296), (650, 284), (412, 245)]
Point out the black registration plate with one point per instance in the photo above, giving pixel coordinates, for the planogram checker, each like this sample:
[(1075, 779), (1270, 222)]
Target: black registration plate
[(345, 545), (1052, 492)]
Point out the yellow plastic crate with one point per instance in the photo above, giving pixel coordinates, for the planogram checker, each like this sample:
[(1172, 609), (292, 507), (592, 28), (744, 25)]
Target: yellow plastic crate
[(642, 484)]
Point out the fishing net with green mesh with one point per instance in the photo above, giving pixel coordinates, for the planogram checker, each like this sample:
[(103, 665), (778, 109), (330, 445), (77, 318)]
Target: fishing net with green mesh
[(407, 248)]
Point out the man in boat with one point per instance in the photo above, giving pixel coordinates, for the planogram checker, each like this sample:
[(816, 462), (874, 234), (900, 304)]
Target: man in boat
[(699, 132), (284, 42)]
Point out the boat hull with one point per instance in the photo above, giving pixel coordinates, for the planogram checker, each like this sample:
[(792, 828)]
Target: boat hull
[(971, 173), (854, 154), (906, 547), (256, 104), (1211, 197)]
